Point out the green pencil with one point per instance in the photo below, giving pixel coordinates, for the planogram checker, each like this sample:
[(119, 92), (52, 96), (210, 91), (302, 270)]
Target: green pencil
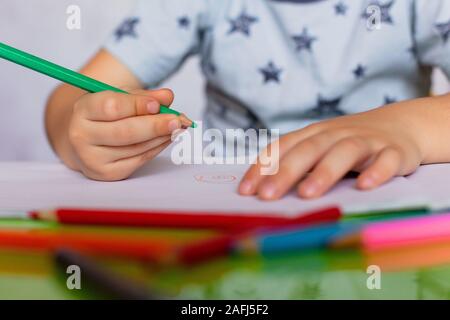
[(63, 74)]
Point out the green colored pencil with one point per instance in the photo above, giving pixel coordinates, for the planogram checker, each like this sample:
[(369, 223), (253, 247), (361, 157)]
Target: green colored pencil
[(63, 74)]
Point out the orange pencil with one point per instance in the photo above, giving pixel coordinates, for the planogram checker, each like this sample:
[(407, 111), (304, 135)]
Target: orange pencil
[(411, 258), (104, 245)]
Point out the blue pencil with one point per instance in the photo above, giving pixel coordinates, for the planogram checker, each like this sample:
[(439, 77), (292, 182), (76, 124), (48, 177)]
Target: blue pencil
[(293, 240), (264, 242)]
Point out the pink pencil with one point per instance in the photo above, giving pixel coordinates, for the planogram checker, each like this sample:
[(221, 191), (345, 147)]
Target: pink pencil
[(408, 232), (400, 233)]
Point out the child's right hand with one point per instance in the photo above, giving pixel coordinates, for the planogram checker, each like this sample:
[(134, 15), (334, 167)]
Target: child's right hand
[(113, 134)]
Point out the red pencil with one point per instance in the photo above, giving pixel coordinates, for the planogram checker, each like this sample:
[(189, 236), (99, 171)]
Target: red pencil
[(205, 250), (184, 220)]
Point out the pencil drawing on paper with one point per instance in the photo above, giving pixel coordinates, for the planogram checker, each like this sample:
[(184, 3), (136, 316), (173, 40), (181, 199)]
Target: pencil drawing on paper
[(219, 178)]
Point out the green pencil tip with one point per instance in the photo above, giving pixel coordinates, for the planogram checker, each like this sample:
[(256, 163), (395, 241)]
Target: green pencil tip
[(194, 125)]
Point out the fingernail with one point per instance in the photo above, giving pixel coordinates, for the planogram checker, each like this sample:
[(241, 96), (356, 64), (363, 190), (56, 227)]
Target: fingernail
[(310, 189), (174, 125), (246, 187), (153, 107), (186, 122), (367, 183), (268, 191)]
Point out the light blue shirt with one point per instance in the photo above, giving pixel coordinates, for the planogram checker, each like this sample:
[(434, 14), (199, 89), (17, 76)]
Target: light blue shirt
[(284, 64)]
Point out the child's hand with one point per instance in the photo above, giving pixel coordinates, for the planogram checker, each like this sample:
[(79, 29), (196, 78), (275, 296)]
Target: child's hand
[(380, 144), (114, 134)]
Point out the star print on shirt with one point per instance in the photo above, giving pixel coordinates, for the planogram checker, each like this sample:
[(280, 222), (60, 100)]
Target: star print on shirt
[(360, 71), (340, 9), (389, 100), (414, 51), (384, 12), (304, 41), (127, 28), (444, 30), (242, 24), (184, 22), (325, 109), (271, 73)]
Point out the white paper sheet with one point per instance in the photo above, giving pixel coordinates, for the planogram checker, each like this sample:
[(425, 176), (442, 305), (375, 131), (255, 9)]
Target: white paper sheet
[(163, 185), (434, 184)]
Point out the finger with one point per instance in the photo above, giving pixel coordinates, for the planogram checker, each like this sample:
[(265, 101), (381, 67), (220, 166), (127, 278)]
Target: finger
[(337, 162), (124, 168), (111, 154), (295, 164), (253, 176), (163, 96), (385, 166), (111, 106), (131, 131)]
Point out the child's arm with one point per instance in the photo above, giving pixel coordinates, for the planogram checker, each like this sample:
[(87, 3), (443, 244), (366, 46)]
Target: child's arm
[(107, 135), (386, 142)]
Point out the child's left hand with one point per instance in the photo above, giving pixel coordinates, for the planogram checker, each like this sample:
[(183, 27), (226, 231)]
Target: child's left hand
[(380, 144)]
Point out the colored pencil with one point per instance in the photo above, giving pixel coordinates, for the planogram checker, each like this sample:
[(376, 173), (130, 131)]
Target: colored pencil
[(293, 240), (151, 250), (102, 245), (183, 220), (63, 74), (263, 241), (410, 258), (94, 275), (21, 262), (400, 233)]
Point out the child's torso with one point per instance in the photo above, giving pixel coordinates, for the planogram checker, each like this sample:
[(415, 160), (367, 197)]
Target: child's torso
[(284, 64)]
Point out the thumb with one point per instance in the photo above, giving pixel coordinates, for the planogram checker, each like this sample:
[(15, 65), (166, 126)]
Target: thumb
[(163, 96)]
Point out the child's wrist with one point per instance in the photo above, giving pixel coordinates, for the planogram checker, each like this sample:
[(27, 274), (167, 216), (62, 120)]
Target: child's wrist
[(430, 126)]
